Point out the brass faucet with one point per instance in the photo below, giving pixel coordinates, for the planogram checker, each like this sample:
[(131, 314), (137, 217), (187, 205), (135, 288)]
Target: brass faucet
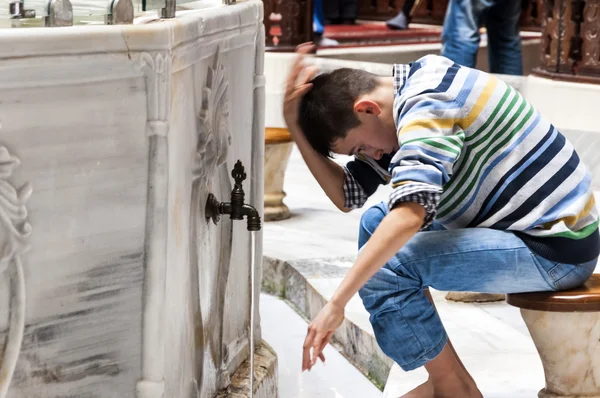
[(17, 10), (236, 209)]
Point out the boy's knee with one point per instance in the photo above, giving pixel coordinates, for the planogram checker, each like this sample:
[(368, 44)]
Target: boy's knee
[(379, 286), (382, 288), (369, 221)]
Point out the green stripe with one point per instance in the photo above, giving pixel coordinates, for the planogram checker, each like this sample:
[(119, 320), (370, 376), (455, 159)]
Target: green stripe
[(576, 235), (465, 159), (432, 142), (494, 150), (490, 119), (470, 149), (469, 173), (502, 117), (457, 142)]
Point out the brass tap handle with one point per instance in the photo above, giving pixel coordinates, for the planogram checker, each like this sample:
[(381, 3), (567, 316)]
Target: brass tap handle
[(238, 173), (212, 209)]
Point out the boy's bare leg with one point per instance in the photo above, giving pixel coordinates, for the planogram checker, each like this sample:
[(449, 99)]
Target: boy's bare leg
[(449, 379), (430, 298), (425, 390)]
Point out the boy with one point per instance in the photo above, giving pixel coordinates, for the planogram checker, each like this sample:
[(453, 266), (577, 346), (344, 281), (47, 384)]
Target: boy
[(488, 196)]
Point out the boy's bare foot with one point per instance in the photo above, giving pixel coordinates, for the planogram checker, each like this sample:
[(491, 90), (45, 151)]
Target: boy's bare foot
[(425, 390), (453, 386), (449, 378)]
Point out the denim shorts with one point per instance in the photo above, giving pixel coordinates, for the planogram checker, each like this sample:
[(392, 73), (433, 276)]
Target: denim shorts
[(406, 325)]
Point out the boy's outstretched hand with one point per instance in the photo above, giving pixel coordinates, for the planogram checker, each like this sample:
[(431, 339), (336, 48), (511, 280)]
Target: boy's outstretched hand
[(297, 85), (319, 333)]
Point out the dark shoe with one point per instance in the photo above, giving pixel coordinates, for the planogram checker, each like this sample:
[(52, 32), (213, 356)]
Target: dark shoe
[(348, 21), (399, 22)]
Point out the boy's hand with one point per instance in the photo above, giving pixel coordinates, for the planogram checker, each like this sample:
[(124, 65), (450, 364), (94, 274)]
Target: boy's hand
[(297, 85), (319, 333)]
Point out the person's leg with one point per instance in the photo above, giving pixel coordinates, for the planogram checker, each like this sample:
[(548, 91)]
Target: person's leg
[(401, 21), (504, 40), (460, 35), (331, 10), (348, 11), (368, 223), (318, 18), (319, 26), (479, 259)]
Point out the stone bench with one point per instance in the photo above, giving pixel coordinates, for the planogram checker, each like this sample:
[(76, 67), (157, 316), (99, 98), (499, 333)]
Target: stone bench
[(565, 327)]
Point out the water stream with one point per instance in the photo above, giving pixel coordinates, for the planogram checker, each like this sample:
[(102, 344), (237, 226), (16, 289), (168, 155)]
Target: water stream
[(252, 306)]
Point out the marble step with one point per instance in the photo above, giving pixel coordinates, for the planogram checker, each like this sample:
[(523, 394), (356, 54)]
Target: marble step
[(307, 285)]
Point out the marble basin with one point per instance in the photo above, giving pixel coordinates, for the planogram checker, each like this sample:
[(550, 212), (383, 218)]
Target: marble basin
[(111, 137)]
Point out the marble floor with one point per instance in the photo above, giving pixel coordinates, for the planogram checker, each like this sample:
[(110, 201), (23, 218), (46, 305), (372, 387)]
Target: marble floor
[(320, 241)]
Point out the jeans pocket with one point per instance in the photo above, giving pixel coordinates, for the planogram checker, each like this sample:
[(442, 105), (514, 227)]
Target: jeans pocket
[(560, 276), (569, 276)]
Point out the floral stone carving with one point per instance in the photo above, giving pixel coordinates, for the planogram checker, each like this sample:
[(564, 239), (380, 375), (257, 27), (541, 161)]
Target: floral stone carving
[(214, 138), (14, 231)]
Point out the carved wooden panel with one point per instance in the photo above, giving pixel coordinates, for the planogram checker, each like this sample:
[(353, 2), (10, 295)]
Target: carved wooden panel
[(288, 23), (590, 32), (425, 11), (571, 39), (434, 11), (532, 14)]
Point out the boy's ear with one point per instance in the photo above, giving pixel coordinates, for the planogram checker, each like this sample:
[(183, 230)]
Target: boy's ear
[(367, 106)]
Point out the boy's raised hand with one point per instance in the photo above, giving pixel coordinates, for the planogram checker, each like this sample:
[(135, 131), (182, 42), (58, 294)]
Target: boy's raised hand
[(297, 85)]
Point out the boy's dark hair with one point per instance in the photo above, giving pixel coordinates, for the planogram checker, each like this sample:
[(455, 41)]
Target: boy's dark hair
[(327, 110)]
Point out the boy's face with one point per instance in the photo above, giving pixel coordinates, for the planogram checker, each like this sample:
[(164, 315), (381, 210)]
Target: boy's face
[(372, 137)]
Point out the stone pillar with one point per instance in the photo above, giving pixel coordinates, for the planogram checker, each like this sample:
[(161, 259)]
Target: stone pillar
[(570, 40), (288, 23), (278, 147)]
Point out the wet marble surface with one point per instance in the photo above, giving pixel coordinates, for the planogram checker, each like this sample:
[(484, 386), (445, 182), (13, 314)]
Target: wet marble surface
[(285, 330)]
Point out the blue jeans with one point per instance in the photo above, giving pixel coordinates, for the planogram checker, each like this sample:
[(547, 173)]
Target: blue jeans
[(461, 33), (407, 326), (318, 17)]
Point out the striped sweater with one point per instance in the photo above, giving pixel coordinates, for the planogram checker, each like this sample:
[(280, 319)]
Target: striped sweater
[(480, 156)]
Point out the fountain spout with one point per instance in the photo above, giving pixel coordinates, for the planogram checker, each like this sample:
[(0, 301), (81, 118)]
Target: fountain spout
[(236, 209)]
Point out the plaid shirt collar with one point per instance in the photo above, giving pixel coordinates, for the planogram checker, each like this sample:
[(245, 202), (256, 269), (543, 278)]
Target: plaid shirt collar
[(400, 75)]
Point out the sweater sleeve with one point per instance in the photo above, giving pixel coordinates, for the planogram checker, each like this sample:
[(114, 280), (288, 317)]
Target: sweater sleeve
[(431, 142)]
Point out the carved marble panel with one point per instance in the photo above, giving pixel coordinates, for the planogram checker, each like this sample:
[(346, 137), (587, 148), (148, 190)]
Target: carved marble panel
[(14, 233), (130, 292)]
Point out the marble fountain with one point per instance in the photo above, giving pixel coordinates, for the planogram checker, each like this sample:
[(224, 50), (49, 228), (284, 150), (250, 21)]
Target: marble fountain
[(114, 283)]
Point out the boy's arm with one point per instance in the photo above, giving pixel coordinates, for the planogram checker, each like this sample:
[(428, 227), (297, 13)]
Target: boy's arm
[(348, 187), (328, 174), (397, 228), (430, 127), (336, 181)]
